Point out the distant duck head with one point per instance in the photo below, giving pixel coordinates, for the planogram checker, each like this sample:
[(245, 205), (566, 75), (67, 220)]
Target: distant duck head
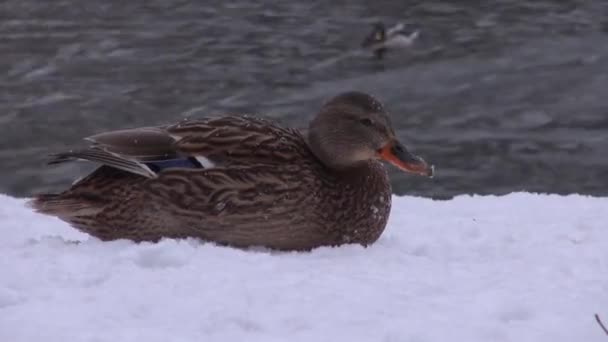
[(381, 39)]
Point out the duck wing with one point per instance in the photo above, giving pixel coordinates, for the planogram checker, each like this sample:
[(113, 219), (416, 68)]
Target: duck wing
[(238, 140), (130, 150), (205, 143)]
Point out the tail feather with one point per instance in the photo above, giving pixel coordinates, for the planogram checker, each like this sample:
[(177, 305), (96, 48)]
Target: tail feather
[(65, 207)]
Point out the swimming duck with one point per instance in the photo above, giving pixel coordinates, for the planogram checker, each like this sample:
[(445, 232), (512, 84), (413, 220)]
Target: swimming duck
[(381, 39), (241, 181)]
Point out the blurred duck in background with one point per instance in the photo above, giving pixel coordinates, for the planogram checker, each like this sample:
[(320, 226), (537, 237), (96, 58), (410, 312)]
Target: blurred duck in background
[(381, 39)]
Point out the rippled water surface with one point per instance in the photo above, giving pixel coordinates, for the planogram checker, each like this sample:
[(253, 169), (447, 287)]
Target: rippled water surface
[(501, 97)]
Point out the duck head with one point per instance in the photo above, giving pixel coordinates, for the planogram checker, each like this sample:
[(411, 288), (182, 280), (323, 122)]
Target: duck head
[(376, 36), (352, 128), (381, 39)]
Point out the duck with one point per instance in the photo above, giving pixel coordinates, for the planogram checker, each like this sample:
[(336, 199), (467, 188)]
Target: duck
[(381, 39), (241, 180)]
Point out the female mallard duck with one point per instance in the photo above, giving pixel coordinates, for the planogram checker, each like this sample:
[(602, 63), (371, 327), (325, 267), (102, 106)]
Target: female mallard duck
[(241, 181)]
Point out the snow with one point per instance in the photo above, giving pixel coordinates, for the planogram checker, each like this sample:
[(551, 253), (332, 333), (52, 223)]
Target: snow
[(520, 267)]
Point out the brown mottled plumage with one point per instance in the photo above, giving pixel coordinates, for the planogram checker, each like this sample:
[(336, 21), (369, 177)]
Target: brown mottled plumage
[(241, 181)]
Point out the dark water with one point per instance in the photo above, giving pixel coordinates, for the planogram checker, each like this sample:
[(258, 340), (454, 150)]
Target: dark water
[(504, 96)]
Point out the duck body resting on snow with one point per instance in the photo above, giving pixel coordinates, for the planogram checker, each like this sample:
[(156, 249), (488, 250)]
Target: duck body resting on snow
[(241, 181)]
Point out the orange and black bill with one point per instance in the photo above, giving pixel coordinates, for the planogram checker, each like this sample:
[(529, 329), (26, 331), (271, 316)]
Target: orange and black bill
[(398, 155)]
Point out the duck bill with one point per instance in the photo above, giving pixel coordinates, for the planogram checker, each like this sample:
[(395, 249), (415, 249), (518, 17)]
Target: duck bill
[(398, 155)]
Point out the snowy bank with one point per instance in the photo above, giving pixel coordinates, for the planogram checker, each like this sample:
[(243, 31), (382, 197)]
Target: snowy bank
[(520, 267)]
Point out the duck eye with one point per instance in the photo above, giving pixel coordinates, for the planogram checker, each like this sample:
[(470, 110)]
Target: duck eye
[(366, 121)]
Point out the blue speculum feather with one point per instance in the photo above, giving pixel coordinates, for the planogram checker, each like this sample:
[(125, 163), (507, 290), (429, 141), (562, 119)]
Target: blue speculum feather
[(159, 165)]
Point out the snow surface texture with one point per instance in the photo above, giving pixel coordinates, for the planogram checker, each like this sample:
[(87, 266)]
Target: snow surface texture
[(520, 267)]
